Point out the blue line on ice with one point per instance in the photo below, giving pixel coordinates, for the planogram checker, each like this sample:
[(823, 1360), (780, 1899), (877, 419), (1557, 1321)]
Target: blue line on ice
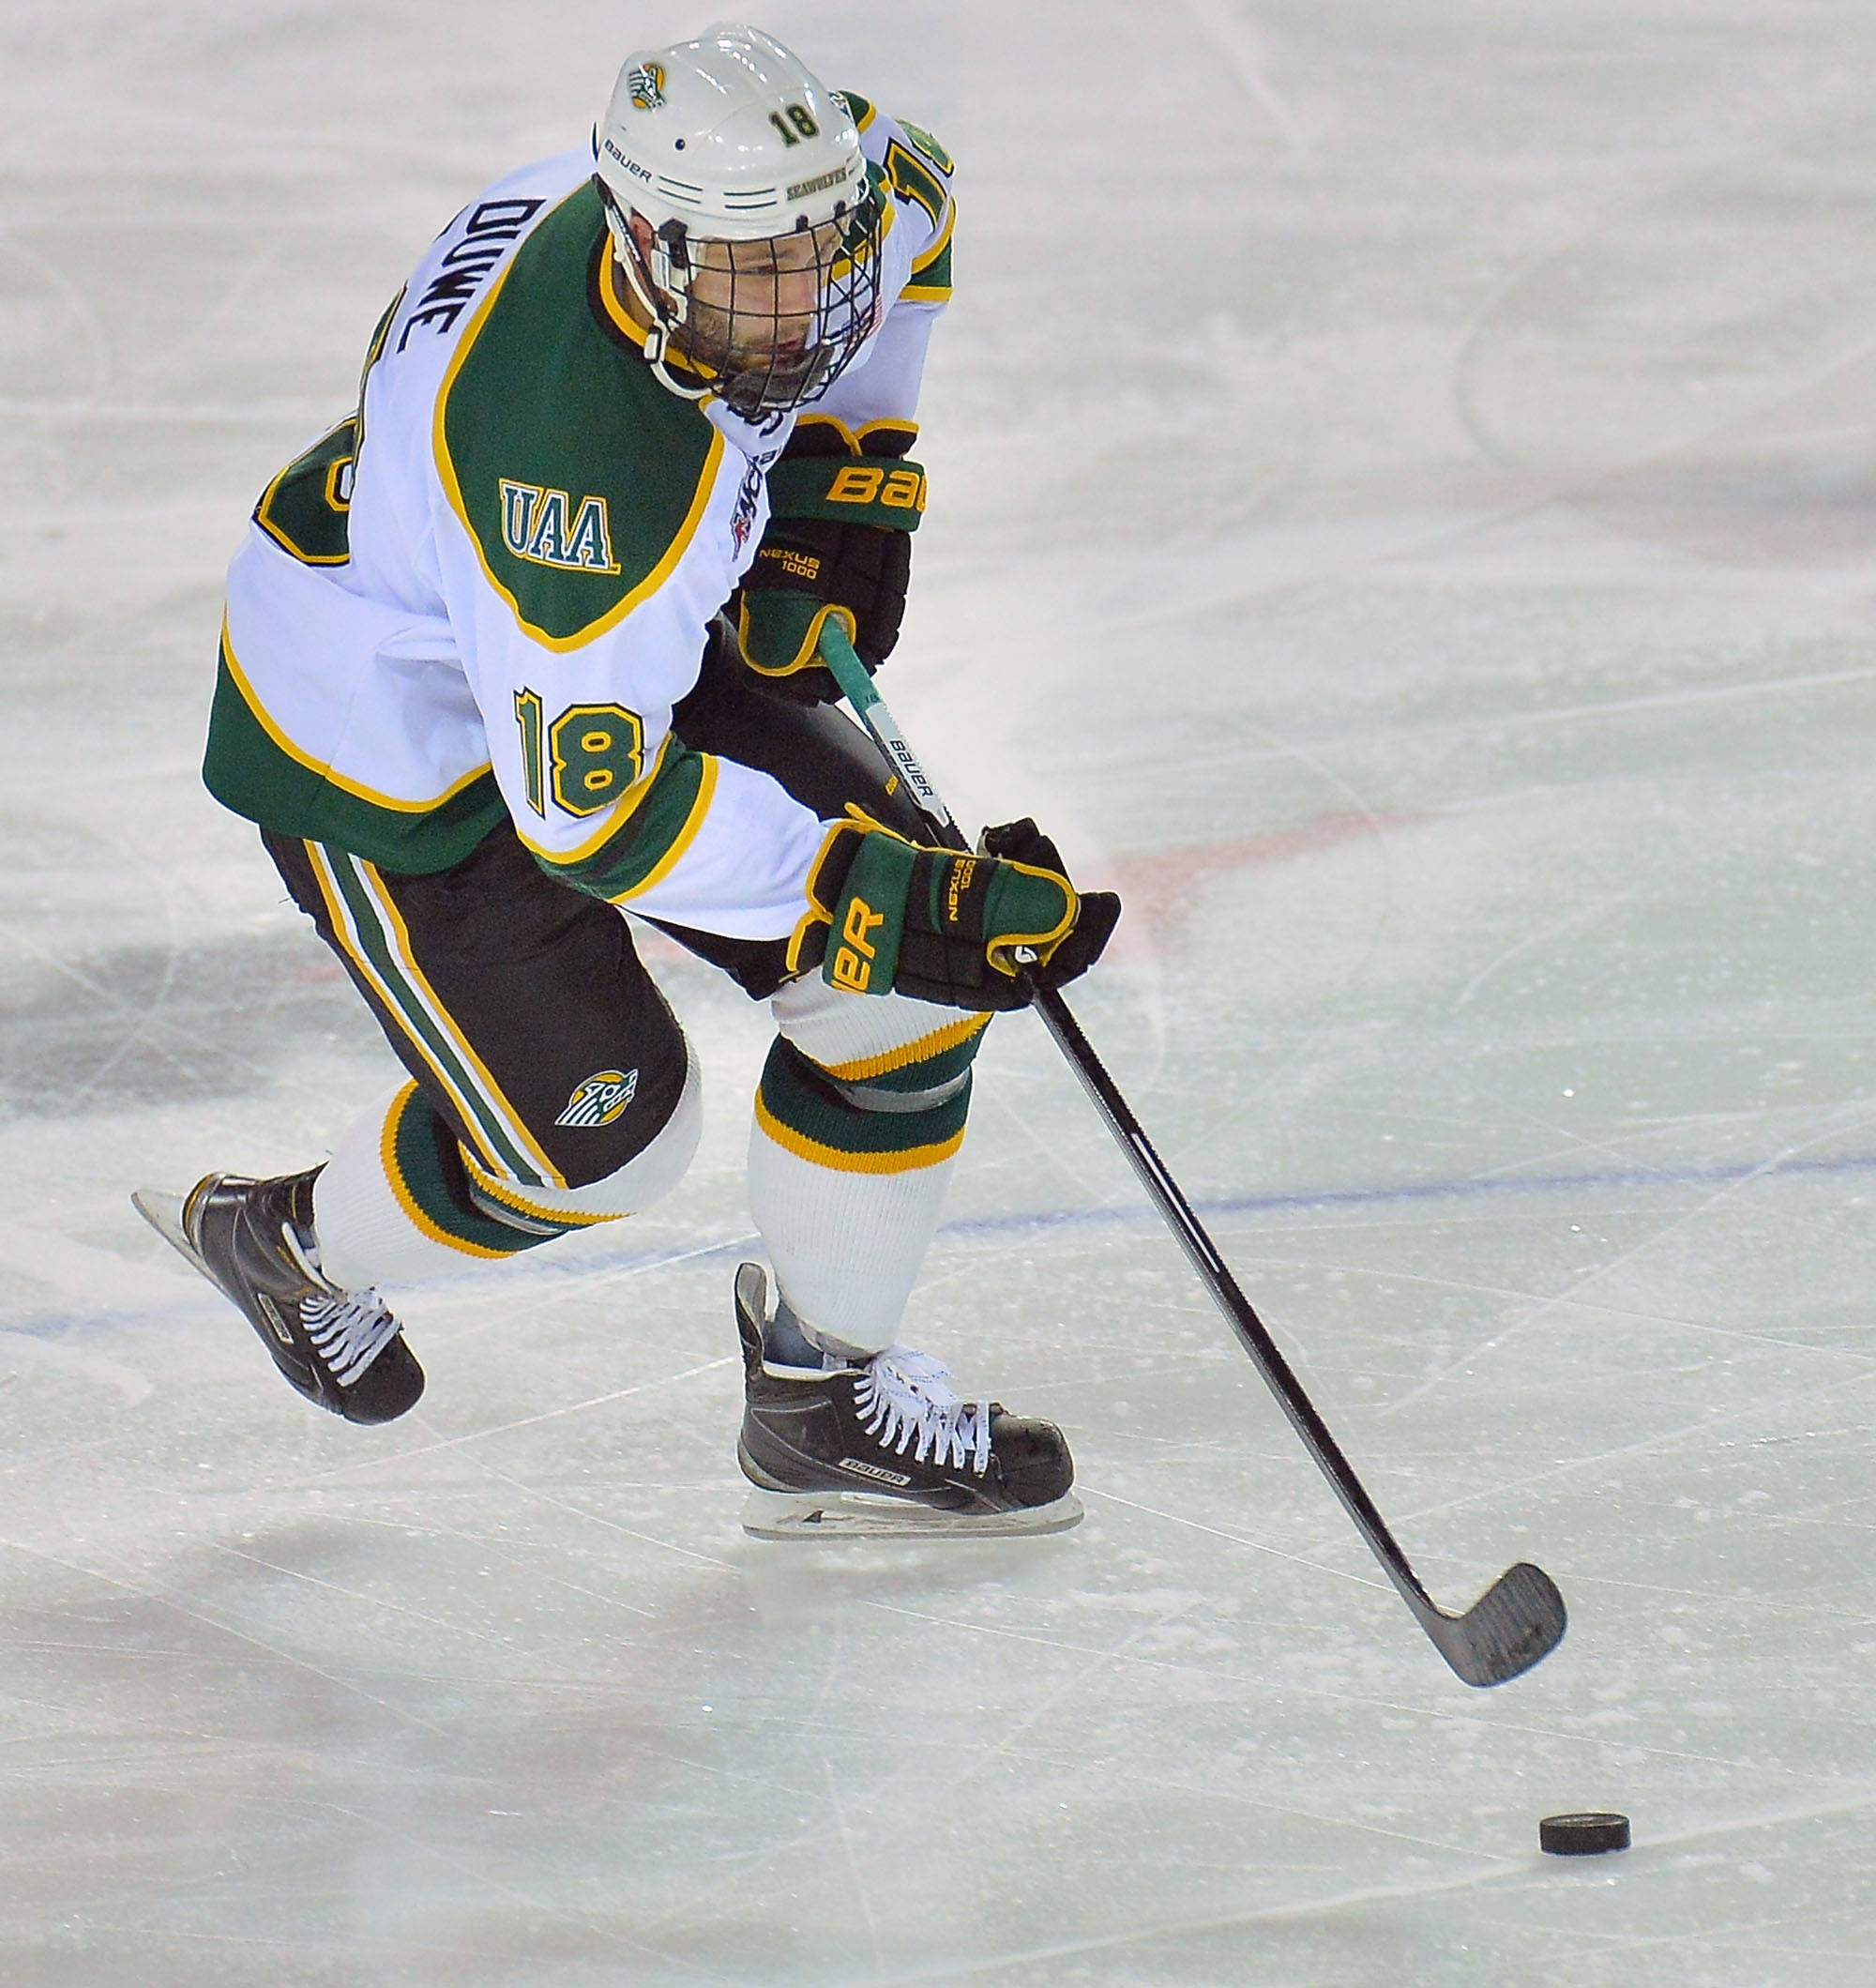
[(1637, 1176), (1508, 1186), (61, 1323)]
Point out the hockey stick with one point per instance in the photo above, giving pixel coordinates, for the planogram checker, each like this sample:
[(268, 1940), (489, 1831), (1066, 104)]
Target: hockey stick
[(1519, 1619)]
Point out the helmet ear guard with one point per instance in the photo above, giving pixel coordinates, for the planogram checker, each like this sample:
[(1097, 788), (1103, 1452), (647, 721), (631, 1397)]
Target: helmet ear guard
[(661, 285)]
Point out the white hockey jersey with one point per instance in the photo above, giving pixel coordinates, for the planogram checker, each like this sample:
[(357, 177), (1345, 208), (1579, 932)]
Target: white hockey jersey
[(483, 592)]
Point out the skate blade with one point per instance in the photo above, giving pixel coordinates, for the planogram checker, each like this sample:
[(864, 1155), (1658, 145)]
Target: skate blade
[(852, 1515), (163, 1212)]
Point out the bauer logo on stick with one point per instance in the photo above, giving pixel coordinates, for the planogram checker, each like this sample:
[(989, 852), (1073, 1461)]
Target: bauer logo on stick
[(601, 1098)]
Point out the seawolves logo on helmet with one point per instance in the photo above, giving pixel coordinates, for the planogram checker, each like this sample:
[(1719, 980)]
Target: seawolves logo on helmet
[(819, 184), (601, 1098), (646, 84)]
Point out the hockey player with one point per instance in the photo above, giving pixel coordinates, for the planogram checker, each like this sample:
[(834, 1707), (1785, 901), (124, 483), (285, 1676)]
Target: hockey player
[(477, 686)]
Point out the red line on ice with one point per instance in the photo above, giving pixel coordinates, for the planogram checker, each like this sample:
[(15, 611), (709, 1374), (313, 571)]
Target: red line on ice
[(1157, 888)]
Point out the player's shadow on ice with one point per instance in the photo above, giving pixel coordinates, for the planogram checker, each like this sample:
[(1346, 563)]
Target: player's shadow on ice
[(153, 1026)]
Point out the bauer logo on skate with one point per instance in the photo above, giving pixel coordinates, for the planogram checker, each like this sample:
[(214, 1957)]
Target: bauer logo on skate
[(547, 528), (601, 1098), (861, 1468)]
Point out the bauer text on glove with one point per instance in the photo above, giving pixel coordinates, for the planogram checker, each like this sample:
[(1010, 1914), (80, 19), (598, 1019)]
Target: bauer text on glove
[(839, 546), (966, 929)]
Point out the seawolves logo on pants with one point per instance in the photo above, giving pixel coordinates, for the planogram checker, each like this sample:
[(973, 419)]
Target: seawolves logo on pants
[(601, 1098)]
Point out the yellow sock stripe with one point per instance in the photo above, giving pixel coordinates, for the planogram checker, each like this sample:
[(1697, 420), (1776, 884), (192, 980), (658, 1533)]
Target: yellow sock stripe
[(387, 1154), (914, 1160), (492, 1094), (936, 1044), (347, 931), (503, 1191)]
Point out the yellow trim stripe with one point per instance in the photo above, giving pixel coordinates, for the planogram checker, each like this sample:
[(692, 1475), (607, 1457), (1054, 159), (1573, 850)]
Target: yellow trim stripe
[(473, 1109), (942, 242), (273, 530), (926, 294), (356, 789), (388, 1155), (817, 913), (620, 300), (503, 1191), (612, 295), (622, 811), (452, 488), (693, 822), (854, 438), (917, 1158), (1043, 942), (934, 1045), (493, 1095), (807, 654)]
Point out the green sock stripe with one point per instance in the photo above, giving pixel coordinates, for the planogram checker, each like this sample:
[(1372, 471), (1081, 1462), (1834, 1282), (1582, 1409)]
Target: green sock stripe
[(416, 1152), (928, 1071), (797, 1097)]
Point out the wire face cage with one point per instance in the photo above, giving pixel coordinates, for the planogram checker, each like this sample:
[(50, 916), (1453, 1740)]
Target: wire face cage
[(767, 325)]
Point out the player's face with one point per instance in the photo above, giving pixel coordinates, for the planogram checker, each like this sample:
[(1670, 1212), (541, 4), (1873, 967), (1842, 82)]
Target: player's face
[(754, 305), (772, 321)]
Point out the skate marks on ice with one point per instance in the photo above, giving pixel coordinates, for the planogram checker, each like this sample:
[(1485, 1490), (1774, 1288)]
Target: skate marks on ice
[(1700, 368), (152, 1024)]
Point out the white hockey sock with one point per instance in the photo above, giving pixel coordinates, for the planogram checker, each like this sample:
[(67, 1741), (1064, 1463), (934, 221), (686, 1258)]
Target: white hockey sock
[(846, 1247), (859, 1116)]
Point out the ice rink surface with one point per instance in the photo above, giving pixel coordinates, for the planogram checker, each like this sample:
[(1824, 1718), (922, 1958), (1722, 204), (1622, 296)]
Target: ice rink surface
[(1403, 509)]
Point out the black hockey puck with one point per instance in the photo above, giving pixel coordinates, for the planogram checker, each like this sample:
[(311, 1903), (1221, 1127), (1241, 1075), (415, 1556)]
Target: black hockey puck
[(1586, 1835)]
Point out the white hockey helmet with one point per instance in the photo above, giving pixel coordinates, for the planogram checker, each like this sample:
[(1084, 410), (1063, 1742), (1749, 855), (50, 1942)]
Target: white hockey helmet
[(726, 141)]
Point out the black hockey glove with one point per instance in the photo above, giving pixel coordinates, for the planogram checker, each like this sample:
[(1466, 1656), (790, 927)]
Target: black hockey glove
[(946, 926), (839, 543)]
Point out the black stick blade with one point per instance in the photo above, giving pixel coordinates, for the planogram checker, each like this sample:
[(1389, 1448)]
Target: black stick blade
[(1518, 1621)]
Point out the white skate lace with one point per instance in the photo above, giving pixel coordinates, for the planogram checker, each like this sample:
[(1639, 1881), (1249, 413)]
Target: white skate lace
[(350, 1330), (905, 1397)]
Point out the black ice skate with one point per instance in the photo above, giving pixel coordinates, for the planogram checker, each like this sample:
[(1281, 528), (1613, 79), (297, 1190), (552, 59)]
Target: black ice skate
[(253, 1240), (882, 1446)]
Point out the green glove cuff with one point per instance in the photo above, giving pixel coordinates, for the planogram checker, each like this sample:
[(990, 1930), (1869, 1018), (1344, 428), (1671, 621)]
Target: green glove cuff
[(1026, 906), (778, 631)]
